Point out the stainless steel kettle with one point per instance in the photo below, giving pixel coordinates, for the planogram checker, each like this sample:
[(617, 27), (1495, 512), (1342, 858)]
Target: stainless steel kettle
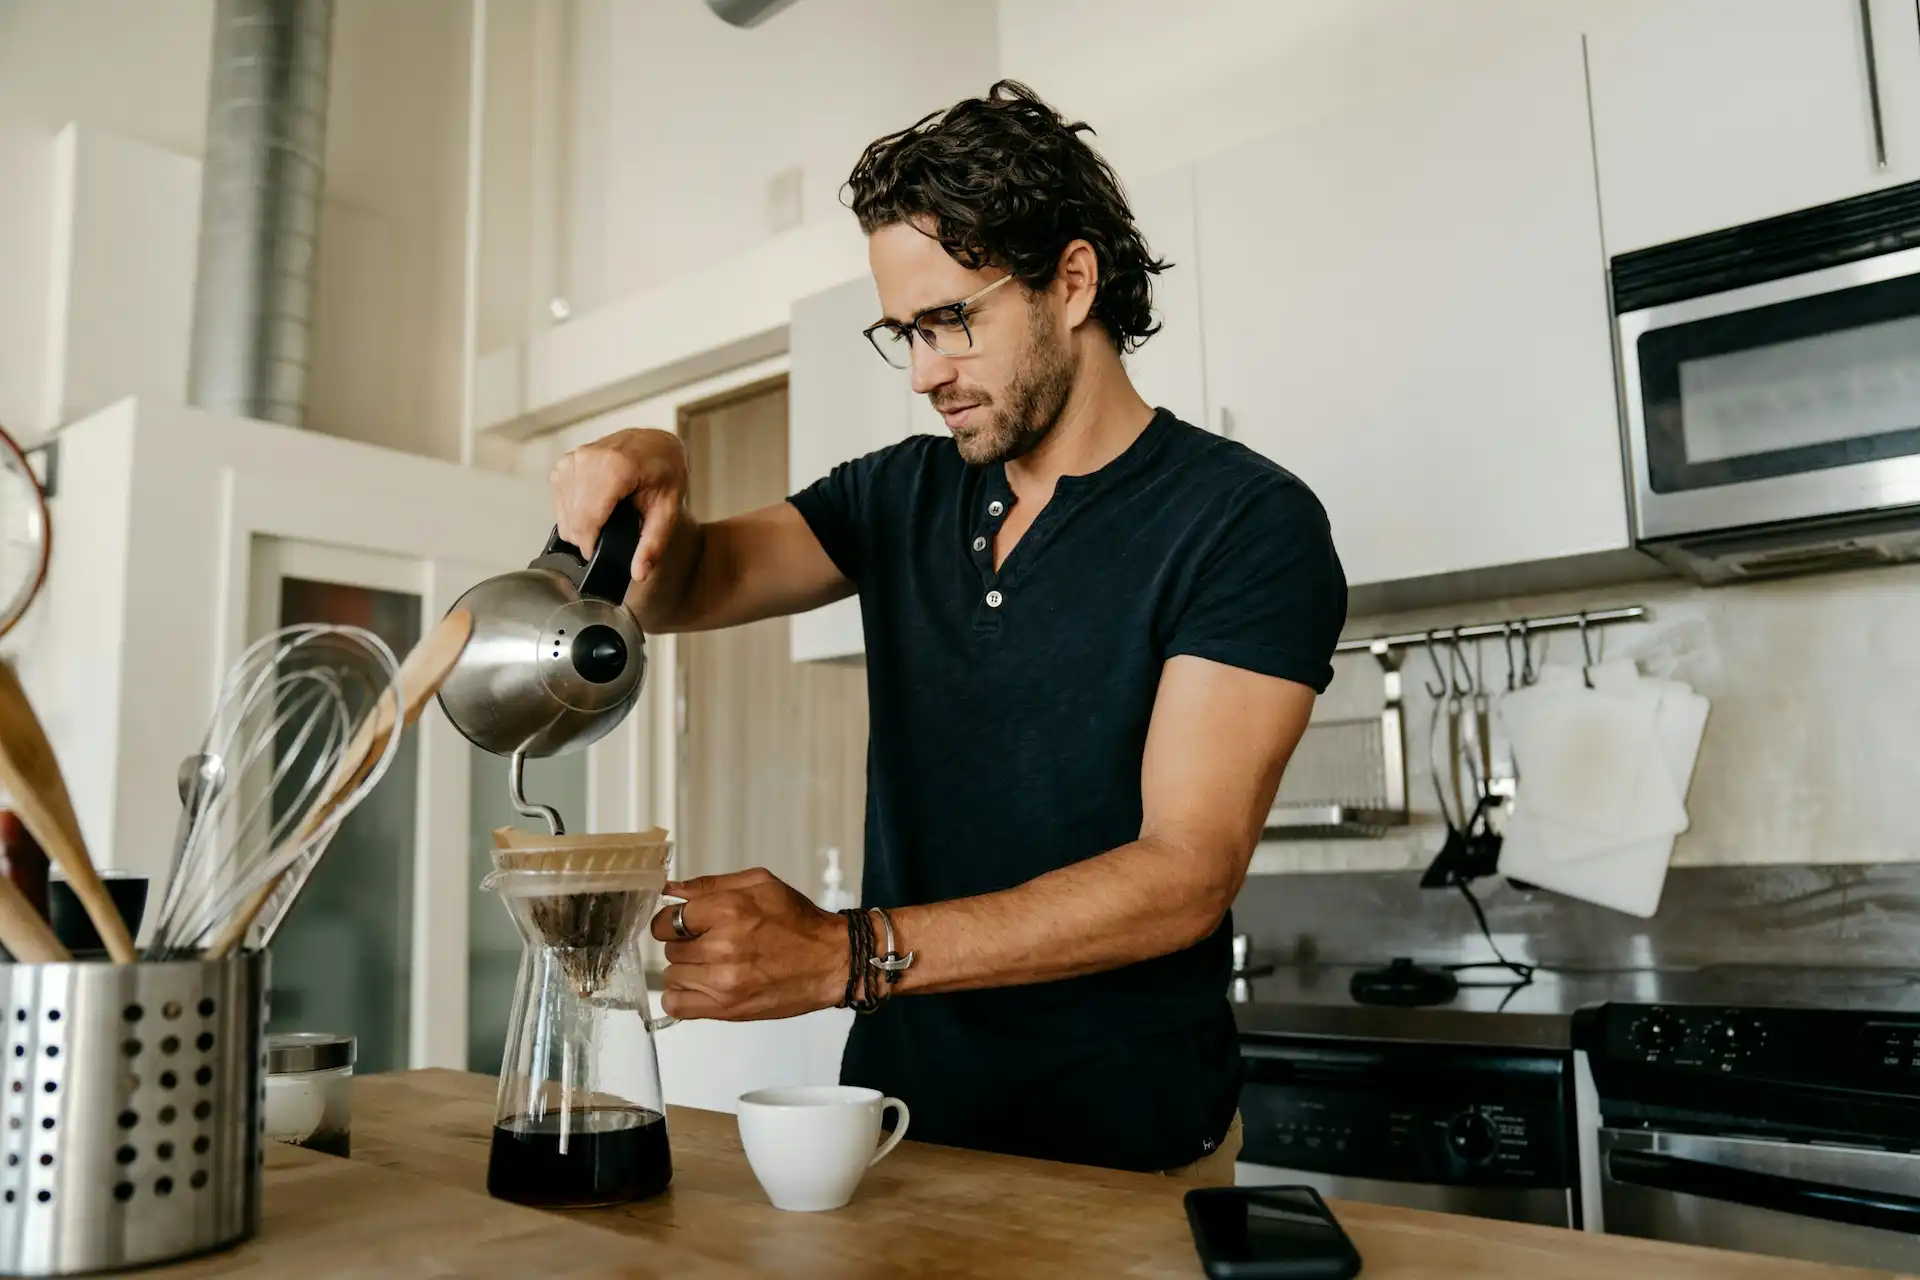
[(556, 660)]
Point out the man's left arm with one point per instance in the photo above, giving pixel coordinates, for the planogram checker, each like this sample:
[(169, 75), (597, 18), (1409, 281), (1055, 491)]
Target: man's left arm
[(1219, 738)]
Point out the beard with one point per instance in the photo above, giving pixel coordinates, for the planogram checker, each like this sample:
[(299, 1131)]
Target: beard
[(1036, 396)]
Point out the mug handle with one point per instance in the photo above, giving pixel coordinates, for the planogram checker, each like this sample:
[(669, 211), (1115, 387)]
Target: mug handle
[(899, 1130)]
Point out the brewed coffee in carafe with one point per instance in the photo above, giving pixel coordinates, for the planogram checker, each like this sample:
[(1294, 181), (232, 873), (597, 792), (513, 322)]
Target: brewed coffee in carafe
[(580, 1121)]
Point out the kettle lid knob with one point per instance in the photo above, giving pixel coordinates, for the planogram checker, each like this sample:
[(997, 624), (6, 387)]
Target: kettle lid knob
[(599, 654)]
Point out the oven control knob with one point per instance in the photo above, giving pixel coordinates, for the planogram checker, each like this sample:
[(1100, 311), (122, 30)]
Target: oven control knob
[(1471, 1137), (1655, 1034), (1726, 1042)]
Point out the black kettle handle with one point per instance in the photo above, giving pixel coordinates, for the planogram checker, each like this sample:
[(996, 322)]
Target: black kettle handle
[(608, 575)]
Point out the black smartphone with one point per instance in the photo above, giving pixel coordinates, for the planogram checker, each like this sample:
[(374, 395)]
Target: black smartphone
[(1269, 1233)]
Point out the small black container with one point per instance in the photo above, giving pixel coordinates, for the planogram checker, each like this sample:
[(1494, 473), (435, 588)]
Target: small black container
[(68, 915)]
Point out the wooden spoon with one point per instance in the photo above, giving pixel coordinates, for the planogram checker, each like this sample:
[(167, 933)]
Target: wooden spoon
[(31, 776), (27, 938), (426, 668)]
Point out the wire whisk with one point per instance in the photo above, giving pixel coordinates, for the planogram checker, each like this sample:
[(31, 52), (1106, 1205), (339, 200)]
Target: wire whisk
[(277, 753)]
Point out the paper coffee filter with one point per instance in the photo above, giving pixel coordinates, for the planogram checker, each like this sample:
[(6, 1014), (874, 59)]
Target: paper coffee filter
[(608, 853)]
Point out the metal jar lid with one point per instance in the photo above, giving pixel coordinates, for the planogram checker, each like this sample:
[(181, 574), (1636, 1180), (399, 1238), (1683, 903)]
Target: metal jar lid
[(294, 1052)]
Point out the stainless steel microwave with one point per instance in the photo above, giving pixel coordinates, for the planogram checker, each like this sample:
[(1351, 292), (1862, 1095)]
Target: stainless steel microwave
[(1771, 378)]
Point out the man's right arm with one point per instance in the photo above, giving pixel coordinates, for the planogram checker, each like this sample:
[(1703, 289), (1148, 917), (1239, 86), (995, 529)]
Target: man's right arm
[(689, 576)]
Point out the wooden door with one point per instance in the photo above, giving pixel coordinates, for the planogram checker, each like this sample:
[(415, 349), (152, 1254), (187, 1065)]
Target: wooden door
[(772, 751)]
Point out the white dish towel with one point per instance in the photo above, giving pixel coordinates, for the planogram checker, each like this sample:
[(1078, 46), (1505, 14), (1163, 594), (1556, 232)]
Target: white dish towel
[(1604, 774)]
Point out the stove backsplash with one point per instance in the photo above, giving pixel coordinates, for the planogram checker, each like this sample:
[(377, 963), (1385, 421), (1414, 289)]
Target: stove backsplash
[(1861, 914), (1809, 750)]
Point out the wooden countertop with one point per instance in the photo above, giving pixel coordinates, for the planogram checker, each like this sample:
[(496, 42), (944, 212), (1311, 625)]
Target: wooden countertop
[(412, 1201)]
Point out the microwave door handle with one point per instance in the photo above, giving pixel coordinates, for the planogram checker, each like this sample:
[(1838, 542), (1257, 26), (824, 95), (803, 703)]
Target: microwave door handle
[(1873, 85), (1854, 1206)]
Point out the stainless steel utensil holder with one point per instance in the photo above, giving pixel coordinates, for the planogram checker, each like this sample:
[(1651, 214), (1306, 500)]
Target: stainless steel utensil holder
[(132, 1102)]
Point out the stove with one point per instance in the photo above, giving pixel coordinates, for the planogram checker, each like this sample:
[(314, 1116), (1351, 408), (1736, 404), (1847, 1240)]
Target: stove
[(1588, 1097), (1315, 1001), (1775, 1110)]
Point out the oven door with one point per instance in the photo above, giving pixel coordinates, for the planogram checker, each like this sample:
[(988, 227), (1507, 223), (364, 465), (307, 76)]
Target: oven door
[(1788, 400), (1793, 1200)]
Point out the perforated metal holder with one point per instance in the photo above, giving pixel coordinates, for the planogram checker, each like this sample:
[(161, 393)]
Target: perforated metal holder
[(130, 1111)]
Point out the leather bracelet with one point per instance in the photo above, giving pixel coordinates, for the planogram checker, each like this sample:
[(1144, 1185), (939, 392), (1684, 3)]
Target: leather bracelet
[(859, 953)]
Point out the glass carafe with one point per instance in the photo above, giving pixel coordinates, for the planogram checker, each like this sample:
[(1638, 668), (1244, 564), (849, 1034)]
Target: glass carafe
[(568, 1132)]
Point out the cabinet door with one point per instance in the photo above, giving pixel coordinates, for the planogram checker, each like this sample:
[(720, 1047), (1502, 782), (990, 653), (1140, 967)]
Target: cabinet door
[(1704, 117), (843, 401), (1405, 306), (1169, 370)]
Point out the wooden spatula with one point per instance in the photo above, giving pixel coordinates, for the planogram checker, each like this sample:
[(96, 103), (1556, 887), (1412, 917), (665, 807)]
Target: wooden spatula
[(27, 938), (31, 776), (425, 669)]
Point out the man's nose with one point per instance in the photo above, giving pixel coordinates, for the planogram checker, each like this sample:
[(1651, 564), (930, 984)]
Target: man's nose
[(931, 370)]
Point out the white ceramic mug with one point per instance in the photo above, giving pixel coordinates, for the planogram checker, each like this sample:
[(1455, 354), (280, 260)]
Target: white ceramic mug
[(810, 1144)]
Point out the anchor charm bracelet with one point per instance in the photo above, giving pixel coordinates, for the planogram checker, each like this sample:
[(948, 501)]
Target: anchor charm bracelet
[(891, 962)]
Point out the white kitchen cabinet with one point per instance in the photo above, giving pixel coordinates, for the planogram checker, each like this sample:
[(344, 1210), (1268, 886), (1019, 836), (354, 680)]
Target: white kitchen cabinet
[(1170, 370), (1405, 306), (179, 537), (843, 401), (1708, 115)]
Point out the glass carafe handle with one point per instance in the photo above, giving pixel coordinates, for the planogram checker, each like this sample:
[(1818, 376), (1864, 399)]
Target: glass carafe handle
[(654, 1021)]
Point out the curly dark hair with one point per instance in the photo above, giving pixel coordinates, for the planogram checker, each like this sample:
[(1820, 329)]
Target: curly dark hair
[(1008, 182)]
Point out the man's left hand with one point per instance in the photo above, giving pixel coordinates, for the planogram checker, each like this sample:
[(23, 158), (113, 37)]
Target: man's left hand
[(760, 950)]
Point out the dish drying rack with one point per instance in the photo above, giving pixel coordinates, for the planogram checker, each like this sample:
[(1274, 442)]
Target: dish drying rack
[(1348, 778)]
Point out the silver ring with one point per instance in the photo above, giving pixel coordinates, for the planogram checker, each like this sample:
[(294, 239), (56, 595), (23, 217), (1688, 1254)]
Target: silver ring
[(679, 922)]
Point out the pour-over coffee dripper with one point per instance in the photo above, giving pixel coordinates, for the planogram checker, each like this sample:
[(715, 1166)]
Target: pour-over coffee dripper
[(572, 1130)]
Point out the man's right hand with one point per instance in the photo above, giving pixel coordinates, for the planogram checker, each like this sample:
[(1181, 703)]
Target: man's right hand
[(645, 467), (689, 576)]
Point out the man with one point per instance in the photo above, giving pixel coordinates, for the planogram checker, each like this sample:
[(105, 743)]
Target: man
[(1093, 637)]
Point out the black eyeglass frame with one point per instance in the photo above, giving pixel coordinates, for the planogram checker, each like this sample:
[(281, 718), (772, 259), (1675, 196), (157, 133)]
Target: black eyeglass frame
[(912, 328)]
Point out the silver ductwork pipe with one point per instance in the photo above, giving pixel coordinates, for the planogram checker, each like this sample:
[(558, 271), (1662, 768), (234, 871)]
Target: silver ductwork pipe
[(260, 207), (747, 13)]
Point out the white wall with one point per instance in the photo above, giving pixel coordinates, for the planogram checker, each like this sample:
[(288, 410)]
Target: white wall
[(386, 347), (1808, 750), (679, 120), (135, 67), (387, 321)]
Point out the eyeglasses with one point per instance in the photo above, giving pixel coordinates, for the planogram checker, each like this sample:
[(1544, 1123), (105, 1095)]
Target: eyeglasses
[(944, 329)]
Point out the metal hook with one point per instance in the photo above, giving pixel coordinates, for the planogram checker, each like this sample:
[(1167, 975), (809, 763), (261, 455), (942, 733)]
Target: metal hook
[(1528, 676), (1433, 660), (1506, 643), (1463, 687), (1586, 651)]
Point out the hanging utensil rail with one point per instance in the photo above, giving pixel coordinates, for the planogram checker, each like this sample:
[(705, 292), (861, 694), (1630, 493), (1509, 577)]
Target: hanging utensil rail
[(1486, 630)]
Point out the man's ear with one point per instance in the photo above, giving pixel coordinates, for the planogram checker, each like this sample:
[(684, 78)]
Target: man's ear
[(1078, 281)]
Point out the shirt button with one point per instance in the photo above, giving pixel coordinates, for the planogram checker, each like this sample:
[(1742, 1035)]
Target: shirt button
[(979, 544), (993, 599), (996, 507)]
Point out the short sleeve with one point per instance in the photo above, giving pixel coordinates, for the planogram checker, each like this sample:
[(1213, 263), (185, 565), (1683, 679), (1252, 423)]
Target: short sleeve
[(838, 507), (1270, 596)]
